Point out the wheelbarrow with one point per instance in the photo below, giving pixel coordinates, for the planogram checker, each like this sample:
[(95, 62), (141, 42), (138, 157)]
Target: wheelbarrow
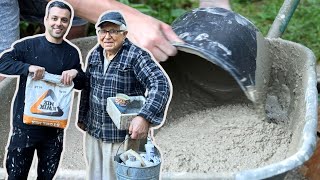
[(229, 58)]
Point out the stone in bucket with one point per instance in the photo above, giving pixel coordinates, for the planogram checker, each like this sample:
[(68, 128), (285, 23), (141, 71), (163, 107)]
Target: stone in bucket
[(122, 101)]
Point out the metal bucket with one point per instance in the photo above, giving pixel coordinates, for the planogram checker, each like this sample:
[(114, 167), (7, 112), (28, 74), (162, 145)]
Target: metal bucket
[(124, 172)]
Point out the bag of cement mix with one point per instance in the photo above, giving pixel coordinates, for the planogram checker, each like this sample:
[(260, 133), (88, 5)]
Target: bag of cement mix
[(47, 101)]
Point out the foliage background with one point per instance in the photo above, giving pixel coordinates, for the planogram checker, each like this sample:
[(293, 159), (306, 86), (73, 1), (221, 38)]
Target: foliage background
[(304, 27)]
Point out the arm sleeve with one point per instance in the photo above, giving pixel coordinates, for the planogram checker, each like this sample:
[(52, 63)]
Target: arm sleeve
[(154, 79), (80, 80), (84, 98), (12, 62)]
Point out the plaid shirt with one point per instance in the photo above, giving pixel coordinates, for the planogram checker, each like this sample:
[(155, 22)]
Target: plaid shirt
[(131, 72)]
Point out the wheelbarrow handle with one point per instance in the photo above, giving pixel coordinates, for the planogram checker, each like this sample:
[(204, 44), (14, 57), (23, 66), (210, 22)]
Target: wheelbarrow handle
[(280, 23)]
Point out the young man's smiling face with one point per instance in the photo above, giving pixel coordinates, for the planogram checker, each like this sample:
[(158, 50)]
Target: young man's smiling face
[(57, 23)]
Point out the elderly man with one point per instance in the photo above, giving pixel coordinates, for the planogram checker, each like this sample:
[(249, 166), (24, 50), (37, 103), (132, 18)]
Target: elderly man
[(116, 65), (51, 53)]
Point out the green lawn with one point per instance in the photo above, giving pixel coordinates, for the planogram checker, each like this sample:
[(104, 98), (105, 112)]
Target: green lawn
[(304, 27)]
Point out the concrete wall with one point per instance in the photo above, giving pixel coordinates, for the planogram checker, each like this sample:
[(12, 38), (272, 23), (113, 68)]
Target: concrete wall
[(7, 90)]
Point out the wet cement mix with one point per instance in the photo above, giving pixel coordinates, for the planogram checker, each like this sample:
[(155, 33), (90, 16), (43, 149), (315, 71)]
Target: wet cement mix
[(227, 138), (204, 135)]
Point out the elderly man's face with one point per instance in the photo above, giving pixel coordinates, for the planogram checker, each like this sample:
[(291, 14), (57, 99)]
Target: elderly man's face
[(57, 23), (110, 37)]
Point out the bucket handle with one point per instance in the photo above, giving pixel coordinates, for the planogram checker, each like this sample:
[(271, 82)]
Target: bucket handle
[(125, 143), (126, 139)]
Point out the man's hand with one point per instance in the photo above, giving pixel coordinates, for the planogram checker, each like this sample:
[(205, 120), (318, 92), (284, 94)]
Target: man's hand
[(139, 128), (38, 72), (153, 35), (68, 76)]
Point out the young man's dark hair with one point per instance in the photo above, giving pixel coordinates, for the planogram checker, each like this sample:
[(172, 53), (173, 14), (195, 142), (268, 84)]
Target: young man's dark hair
[(59, 4)]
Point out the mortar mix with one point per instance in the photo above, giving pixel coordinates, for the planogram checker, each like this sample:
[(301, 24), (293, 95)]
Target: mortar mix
[(207, 134)]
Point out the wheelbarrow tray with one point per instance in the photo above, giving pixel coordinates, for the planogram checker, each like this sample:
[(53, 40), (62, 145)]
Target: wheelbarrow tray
[(295, 64)]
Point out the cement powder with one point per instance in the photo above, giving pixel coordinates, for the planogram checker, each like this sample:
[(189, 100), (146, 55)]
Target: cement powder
[(209, 130), (227, 138)]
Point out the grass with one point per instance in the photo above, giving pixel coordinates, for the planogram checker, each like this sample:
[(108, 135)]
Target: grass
[(164, 10), (304, 27)]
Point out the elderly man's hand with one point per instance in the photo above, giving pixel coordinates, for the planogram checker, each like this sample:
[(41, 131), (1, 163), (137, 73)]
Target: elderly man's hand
[(139, 128), (68, 76)]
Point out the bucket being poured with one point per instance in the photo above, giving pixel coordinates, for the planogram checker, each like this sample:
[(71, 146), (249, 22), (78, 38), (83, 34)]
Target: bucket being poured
[(225, 39)]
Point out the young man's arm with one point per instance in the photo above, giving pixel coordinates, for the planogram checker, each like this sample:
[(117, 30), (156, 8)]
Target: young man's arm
[(84, 98), (84, 104), (12, 63), (80, 79), (75, 75)]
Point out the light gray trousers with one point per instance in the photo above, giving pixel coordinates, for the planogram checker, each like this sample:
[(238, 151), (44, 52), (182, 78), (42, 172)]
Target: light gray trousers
[(99, 157)]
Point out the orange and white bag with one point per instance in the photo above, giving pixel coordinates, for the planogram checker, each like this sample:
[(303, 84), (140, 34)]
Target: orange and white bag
[(47, 101)]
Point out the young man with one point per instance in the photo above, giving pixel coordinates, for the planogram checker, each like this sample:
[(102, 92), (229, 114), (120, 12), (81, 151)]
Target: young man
[(116, 65), (51, 53)]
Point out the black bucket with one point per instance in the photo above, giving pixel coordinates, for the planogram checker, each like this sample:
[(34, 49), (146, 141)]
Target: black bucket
[(229, 44)]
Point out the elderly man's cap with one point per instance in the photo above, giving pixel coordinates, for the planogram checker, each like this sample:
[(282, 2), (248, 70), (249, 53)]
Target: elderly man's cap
[(113, 17)]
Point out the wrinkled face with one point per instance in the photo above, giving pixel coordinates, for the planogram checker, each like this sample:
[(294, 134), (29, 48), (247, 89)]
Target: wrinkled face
[(57, 23), (110, 37)]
